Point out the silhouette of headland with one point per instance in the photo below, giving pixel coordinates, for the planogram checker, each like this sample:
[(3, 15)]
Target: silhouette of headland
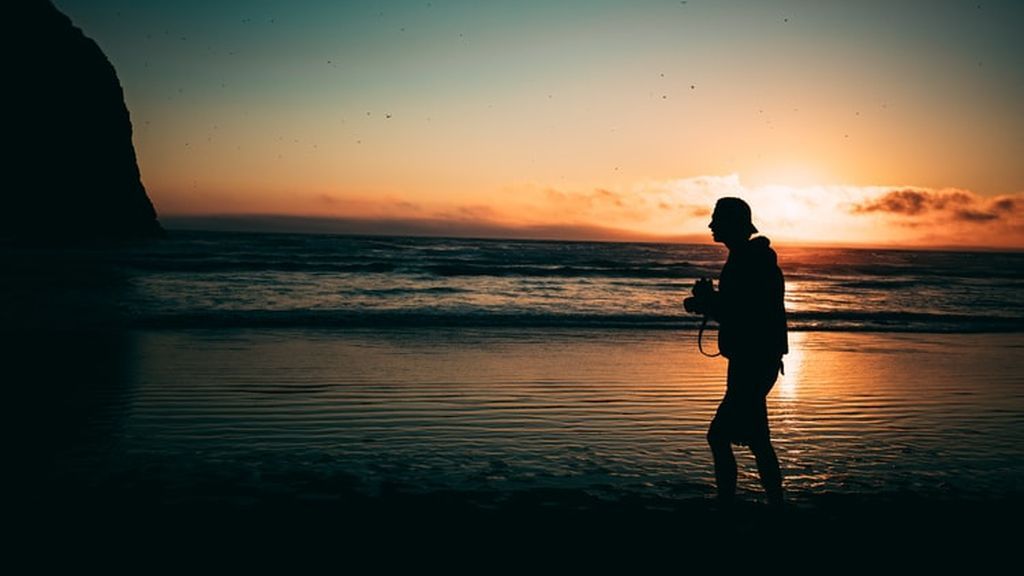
[(73, 175)]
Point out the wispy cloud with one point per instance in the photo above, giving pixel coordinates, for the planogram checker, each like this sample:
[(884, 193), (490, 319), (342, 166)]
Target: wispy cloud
[(844, 213), (680, 209), (956, 205), (950, 216)]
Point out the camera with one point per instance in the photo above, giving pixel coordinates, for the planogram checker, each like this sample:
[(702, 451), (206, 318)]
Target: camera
[(699, 303)]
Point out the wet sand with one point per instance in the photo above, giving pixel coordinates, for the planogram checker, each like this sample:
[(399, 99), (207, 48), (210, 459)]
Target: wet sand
[(502, 436)]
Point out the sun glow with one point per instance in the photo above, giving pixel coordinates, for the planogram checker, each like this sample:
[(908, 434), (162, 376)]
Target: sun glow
[(544, 121), (788, 384)]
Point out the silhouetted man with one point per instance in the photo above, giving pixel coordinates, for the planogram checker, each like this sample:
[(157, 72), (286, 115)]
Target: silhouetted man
[(751, 315)]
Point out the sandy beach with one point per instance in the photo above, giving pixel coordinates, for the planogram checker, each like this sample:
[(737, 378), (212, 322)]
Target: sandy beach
[(598, 432)]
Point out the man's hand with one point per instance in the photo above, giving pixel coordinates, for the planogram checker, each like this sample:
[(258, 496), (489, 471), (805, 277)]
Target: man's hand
[(704, 289), (703, 292), (693, 305)]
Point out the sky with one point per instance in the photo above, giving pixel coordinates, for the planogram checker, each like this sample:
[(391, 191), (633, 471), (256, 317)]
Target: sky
[(872, 122)]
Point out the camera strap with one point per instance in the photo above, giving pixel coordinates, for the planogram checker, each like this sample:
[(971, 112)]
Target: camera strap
[(700, 338)]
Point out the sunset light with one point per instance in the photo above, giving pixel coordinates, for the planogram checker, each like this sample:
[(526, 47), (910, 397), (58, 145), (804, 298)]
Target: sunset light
[(701, 282), (586, 119)]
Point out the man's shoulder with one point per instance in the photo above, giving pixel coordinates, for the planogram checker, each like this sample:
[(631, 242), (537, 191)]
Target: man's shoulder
[(760, 251)]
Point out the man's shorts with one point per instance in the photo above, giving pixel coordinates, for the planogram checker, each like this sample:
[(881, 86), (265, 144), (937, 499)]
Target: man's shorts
[(742, 417)]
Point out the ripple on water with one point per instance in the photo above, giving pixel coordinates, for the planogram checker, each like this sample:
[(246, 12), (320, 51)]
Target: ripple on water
[(855, 411)]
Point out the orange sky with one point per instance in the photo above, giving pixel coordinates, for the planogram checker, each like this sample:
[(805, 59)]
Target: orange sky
[(860, 123)]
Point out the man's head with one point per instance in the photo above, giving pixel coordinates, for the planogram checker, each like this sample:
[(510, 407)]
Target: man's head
[(731, 221)]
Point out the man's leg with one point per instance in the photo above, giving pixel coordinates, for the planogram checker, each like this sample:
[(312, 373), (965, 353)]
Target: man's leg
[(761, 446), (725, 461), (768, 469)]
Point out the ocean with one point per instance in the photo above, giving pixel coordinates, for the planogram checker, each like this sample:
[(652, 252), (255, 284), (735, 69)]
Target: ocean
[(240, 368), (204, 280)]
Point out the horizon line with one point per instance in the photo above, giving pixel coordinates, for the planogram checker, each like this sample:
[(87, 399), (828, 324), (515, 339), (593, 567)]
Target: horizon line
[(489, 230)]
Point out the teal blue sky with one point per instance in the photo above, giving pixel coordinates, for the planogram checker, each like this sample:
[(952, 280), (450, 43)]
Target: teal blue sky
[(237, 104)]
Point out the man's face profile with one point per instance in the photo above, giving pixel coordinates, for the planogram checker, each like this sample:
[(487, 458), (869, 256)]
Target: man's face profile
[(719, 227), (730, 221)]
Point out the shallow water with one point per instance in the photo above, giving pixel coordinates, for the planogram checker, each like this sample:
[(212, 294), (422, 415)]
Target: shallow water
[(610, 412)]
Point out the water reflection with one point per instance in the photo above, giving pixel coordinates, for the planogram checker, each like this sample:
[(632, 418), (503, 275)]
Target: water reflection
[(615, 412), (610, 413), (787, 385)]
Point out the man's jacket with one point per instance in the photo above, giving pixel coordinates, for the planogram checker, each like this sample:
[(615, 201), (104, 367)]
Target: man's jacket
[(749, 306)]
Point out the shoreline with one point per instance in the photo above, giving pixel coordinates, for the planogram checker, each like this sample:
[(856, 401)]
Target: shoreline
[(891, 525), (111, 428)]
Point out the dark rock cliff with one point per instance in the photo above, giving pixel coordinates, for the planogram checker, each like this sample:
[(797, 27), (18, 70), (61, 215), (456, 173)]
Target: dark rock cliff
[(71, 167)]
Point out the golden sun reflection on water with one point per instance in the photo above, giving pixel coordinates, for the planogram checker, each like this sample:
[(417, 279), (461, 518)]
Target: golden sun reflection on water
[(796, 297), (786, 388), (618, 411)]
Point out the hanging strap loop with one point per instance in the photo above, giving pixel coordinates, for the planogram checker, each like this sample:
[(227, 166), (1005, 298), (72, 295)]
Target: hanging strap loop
[(700, 338)]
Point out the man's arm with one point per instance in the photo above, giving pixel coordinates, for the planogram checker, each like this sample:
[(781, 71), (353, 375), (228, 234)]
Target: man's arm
[(705, 299)]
